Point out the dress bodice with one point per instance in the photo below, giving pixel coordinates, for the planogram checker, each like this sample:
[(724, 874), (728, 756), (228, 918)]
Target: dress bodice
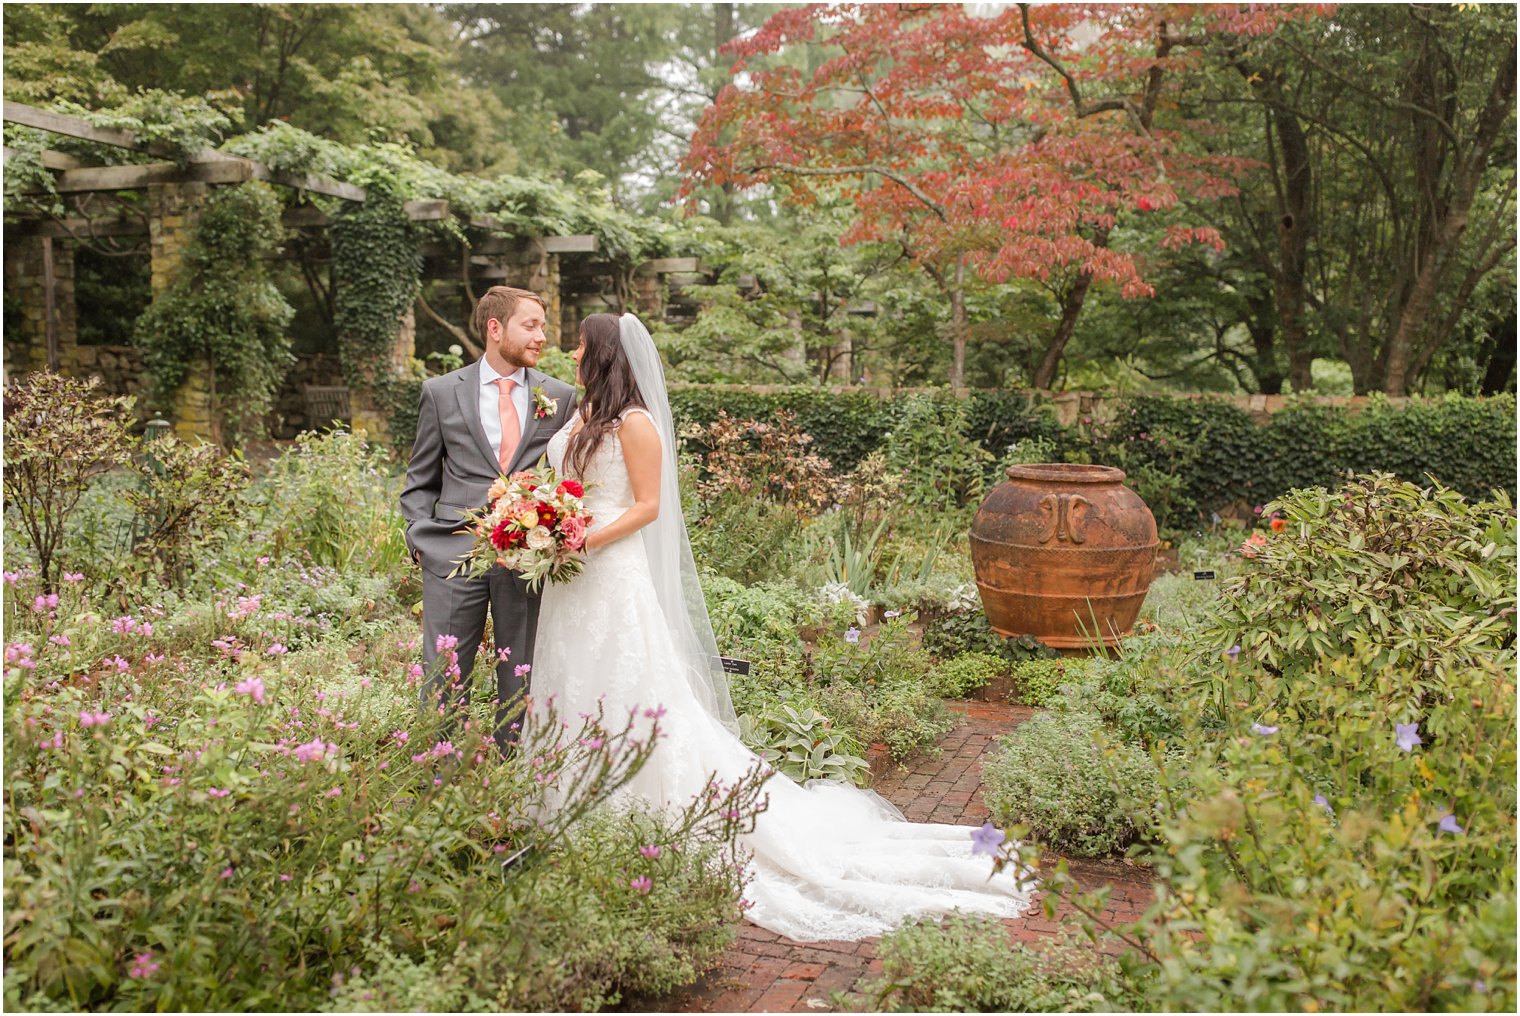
[(609, 491)]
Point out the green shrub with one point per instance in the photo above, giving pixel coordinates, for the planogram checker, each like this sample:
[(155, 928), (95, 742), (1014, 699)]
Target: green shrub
[(58, 433), (960, 631), (186, 504), (968, 964), (331, 498), (962, 675), (1336, 826), (1038, 682), (803, 744), (1408, 577), (927, 442), (903, 715), (1061, 777), (1325, 865)]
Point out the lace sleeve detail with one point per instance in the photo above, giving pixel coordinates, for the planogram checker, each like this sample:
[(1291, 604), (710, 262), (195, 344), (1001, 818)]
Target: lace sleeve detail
[(631, 410)]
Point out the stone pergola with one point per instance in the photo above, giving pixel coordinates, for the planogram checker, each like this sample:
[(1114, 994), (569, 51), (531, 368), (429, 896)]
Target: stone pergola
[(40, 277)]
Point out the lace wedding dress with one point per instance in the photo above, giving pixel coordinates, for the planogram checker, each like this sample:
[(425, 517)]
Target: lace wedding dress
[(829, 861)]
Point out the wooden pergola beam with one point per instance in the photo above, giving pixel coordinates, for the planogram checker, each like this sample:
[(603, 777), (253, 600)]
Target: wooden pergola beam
[(74, 127), (115, 178), (70, 126), (311, 217), (580, 244)]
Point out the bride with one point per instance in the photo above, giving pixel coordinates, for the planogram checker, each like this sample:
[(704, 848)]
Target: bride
[(632, 632)]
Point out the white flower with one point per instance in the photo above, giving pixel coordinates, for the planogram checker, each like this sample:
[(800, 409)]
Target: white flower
[(456, 349), (511, 560), (539, 538)]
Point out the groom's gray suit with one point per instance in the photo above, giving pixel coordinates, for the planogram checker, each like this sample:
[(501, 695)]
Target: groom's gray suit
[(452, 468)]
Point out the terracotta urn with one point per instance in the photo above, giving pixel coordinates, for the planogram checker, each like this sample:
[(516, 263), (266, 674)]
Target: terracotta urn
[(1064, 553)]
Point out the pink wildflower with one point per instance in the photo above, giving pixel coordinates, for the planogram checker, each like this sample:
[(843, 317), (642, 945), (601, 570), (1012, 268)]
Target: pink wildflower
[(142, 966), (89, 719), (276, 650), (215, 792), (642, 884), (253, 687), (652, 851)]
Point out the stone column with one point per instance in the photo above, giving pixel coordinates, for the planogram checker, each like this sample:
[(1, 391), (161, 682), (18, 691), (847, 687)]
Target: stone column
[(39, 278), (173, 210), (540, 274), (365, 412)]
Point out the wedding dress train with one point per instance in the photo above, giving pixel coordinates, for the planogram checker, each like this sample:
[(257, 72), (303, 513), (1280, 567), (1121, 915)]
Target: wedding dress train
[(829, 861)]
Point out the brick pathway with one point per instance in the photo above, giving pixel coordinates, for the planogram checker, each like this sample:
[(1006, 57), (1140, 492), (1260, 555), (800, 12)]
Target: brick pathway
[(762, 972)]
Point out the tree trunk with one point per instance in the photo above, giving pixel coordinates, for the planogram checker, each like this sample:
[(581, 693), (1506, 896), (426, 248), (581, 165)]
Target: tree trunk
[(1262, 326), (958, 325), (1501, 360), (1071, 309), (1293, 229), (1451, 222)]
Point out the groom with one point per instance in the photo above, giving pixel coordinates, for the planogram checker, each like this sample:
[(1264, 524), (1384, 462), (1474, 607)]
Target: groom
[(490, 418)]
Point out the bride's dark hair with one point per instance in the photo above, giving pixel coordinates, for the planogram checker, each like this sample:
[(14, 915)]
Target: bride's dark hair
[(610, 388)]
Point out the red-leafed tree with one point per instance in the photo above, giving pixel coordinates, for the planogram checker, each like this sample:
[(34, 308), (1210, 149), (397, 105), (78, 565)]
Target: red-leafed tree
[(1009, 146)]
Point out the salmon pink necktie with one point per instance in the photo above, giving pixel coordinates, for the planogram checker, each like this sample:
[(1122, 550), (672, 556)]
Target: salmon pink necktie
[(511, 430)]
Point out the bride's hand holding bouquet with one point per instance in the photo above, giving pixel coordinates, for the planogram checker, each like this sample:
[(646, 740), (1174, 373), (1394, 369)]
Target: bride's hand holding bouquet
[(534, 523)]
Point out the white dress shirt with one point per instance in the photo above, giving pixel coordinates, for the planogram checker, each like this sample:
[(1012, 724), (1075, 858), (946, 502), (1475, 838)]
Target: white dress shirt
[(490, 402)]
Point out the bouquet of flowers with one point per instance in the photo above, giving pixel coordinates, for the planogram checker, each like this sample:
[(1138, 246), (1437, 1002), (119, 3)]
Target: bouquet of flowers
[(534, 523)]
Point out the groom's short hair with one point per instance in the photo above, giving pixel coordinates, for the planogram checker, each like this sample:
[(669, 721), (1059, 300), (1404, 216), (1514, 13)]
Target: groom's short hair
[(500, 302)]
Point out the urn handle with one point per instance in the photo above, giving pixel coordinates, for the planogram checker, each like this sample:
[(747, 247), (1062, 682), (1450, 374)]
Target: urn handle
[(1064, 517)]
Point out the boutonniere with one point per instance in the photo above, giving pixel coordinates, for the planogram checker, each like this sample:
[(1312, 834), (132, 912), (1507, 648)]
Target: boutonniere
[(543, 405)]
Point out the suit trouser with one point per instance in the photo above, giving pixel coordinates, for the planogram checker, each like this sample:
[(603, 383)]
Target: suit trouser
[(458, 607)]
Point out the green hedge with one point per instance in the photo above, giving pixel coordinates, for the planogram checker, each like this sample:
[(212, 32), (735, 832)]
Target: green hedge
[(1218, 453)]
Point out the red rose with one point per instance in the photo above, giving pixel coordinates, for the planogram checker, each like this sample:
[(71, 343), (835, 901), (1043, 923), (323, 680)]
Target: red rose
[(572, 488)]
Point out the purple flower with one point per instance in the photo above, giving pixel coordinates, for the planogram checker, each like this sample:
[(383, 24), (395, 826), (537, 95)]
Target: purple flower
[(1232, 652), (1448, 824), (1407, 735), (852, 635), (642, 884), (986, 840), (889, 614), (1262, 730), (1324, 803)]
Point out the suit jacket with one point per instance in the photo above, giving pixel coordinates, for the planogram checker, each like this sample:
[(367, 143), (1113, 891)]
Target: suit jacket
[(453, 465)]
